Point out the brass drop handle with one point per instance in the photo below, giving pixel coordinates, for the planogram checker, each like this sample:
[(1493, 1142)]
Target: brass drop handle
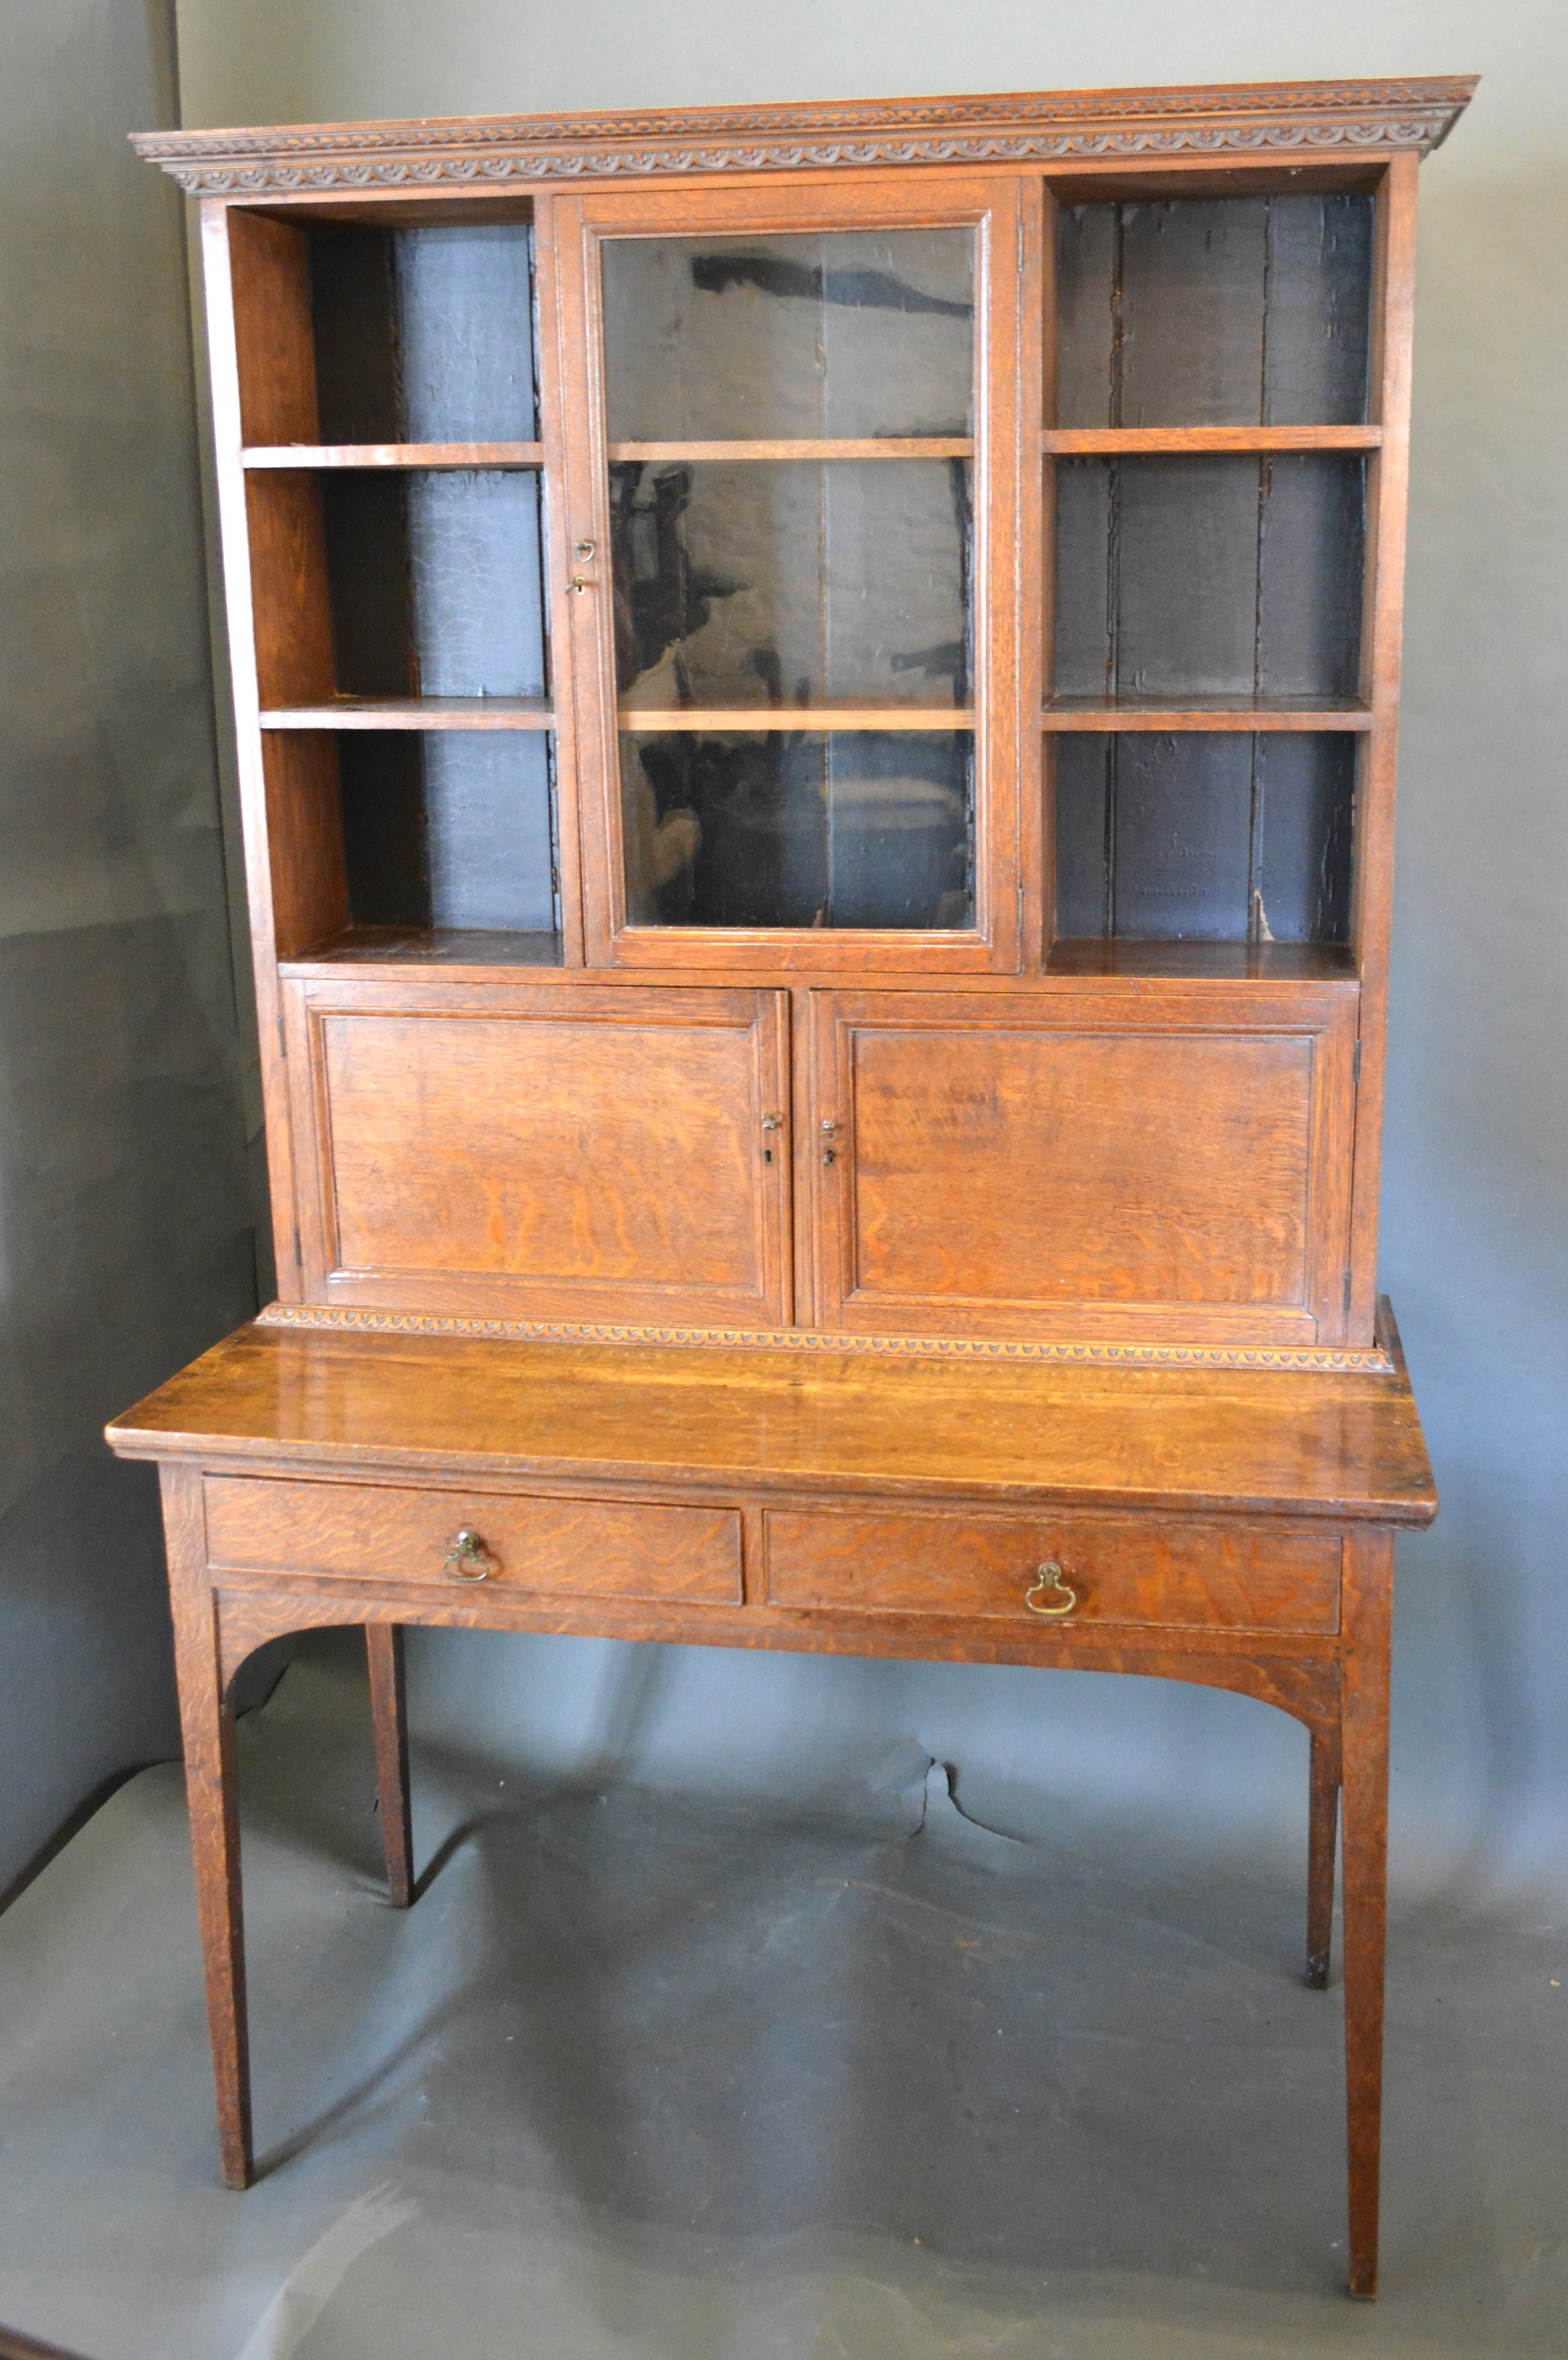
[(468, 1559), (1052, 1579)]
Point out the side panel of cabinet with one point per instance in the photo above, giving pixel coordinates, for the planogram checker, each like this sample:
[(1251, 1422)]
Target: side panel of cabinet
[(541, 1152), (1165, 1170)]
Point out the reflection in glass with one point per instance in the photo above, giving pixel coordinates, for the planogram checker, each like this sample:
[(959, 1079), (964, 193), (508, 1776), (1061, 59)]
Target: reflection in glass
[(789, 583), (846, 333), (810, 828)]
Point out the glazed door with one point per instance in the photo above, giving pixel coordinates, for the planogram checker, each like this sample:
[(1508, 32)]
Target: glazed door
[(1084, 1164), (555, 1153), (792, 485)]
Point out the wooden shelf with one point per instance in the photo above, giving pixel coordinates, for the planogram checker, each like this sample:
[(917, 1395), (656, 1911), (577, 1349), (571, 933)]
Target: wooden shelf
[(888, 447), (793, 717), (1225, 962), (1128, 441), (415, 713), (1216, 713), (430, 947), (432, 456)]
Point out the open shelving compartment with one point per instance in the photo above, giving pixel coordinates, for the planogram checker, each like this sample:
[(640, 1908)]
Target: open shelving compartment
[(392, 468), (1212, 409)]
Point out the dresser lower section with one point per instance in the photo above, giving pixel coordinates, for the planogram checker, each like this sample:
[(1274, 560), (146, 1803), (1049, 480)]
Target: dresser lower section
[(1211, 1599)]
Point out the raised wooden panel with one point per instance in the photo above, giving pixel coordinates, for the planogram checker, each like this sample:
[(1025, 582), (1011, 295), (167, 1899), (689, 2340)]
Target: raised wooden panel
[(579, 1549), (1173, 1170), (1115, 1570), (571, 1153)]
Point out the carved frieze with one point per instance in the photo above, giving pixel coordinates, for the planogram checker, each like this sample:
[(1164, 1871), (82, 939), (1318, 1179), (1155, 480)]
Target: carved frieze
[(1303, 118)]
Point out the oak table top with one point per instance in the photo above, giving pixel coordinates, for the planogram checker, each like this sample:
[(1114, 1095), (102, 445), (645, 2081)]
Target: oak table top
[(1075, 1433)]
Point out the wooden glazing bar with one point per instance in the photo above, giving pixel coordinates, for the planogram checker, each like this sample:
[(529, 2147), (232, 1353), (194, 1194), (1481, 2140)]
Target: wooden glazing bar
[(634, 721), (1111, 714), (560, 568), (1034, 596), (434, 455), (1126, 441), (884, 446), (415, 713)]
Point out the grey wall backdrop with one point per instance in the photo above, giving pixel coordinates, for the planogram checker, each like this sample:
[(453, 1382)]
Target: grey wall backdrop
[(1476, 1244), (125, 1239)]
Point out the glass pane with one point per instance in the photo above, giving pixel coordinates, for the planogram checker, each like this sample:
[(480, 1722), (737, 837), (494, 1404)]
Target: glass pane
[(847, 334), (773, 582), (797, 829)]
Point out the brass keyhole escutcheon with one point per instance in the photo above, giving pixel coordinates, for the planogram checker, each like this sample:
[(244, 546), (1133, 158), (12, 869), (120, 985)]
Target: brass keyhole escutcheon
[(1052, 1585), (468, 1559), (771, 1122)]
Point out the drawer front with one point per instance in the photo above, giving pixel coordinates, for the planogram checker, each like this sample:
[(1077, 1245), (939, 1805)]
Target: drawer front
[(1119, 1570), (576, 1548)]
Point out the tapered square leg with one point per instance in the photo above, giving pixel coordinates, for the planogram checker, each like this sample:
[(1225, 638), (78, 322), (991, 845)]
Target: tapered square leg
[(1367, 1596), (1323, 1828), (207, 1725), (389, 1720)]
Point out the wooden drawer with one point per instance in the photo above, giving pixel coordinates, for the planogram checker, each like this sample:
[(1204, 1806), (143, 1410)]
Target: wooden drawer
[(1120, 1568), (581, 1548)]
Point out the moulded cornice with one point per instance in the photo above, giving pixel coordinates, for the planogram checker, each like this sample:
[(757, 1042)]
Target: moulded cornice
[(1344, 118)]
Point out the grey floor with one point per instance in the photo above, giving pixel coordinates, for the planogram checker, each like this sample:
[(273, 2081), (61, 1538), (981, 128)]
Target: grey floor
[(641, 2076)]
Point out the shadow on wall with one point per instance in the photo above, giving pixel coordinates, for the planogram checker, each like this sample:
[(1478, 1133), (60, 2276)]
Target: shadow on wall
[(126, 1234)]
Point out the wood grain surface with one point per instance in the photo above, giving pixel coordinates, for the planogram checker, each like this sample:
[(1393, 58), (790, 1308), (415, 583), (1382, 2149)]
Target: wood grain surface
[(583, 1548), (1119, 1570), (1039, 1433), (531, 1149), (1019, 1168)]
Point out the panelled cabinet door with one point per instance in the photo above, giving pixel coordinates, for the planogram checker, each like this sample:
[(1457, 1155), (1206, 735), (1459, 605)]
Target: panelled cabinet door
[(1083, 1166), (579, 1153), (790, 451)]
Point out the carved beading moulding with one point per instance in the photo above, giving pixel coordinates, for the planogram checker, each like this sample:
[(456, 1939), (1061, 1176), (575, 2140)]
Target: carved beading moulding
[(1346, 118), (1375, 1360)]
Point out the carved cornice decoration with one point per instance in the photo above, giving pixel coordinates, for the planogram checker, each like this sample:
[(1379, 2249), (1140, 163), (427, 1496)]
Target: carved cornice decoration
[(1304, 119), (1318, 1358)]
